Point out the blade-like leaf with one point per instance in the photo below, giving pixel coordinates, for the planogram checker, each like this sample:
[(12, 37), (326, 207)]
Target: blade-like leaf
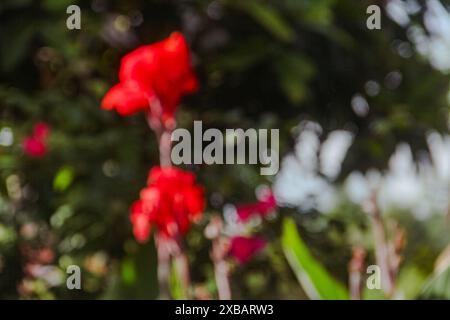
[(313, 277), (268, 17), (437, 287), (176, 287)]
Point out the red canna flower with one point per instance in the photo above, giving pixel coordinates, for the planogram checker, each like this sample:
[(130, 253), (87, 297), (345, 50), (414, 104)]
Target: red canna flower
[(35, 145), (41, 130), (153, 77), (262, 208), (243, 248), (170, 202), (140, 221)]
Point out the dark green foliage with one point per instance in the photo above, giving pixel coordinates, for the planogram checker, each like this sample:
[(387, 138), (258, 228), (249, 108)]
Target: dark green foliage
[(264, 64)]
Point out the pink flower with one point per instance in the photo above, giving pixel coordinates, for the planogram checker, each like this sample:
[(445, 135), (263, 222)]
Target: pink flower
[(41, 130), (262, 208), (35, 145), (243, 248)]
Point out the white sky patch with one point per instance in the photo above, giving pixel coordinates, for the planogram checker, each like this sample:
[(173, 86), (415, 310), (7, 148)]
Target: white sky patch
[(6, 137), (422, 188), (401, 186), (306, 178), (440, 154), (359, 187), (299, 184), (295, 186), (360, 105), (306, 149), (397, 10), (435, 42), (333, 152)]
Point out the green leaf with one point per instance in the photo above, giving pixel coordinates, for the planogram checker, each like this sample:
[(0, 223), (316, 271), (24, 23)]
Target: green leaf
[(293, 72), (63, 178), (315, 13), (243, 56), (410, 281), (134, 277), (128, 271), (57, 5), (267, 17), (438, 286), (176, 287), (314, 278), (14, 4), (16, 49)]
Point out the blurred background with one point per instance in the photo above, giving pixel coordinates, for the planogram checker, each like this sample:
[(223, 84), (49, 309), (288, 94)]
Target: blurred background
[(357, 110)]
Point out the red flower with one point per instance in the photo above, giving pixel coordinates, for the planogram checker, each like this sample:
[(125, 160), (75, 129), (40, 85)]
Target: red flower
[(140, 221), (35, 145), (263, 207), (41, 130), (170, 202), (160, 72), (243, 248)]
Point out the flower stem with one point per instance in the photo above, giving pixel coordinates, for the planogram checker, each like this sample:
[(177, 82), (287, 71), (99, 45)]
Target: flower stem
[(355, 267), (222, 275), (167, 247), (165, 149), (382, 254), (220, 246), (182, 269), (163, 267)]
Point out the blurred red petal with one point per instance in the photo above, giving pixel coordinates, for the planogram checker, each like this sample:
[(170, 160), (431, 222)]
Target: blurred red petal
[(140, 221), (261, 208), (171, 201), (41, 131), (243, 248), (162, 69), (34, 147), (127, 98)]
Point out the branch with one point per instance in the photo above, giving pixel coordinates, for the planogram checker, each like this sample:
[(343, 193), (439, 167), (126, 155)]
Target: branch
[(220, 246), (163, 251), (355, 267), (382, 254)]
